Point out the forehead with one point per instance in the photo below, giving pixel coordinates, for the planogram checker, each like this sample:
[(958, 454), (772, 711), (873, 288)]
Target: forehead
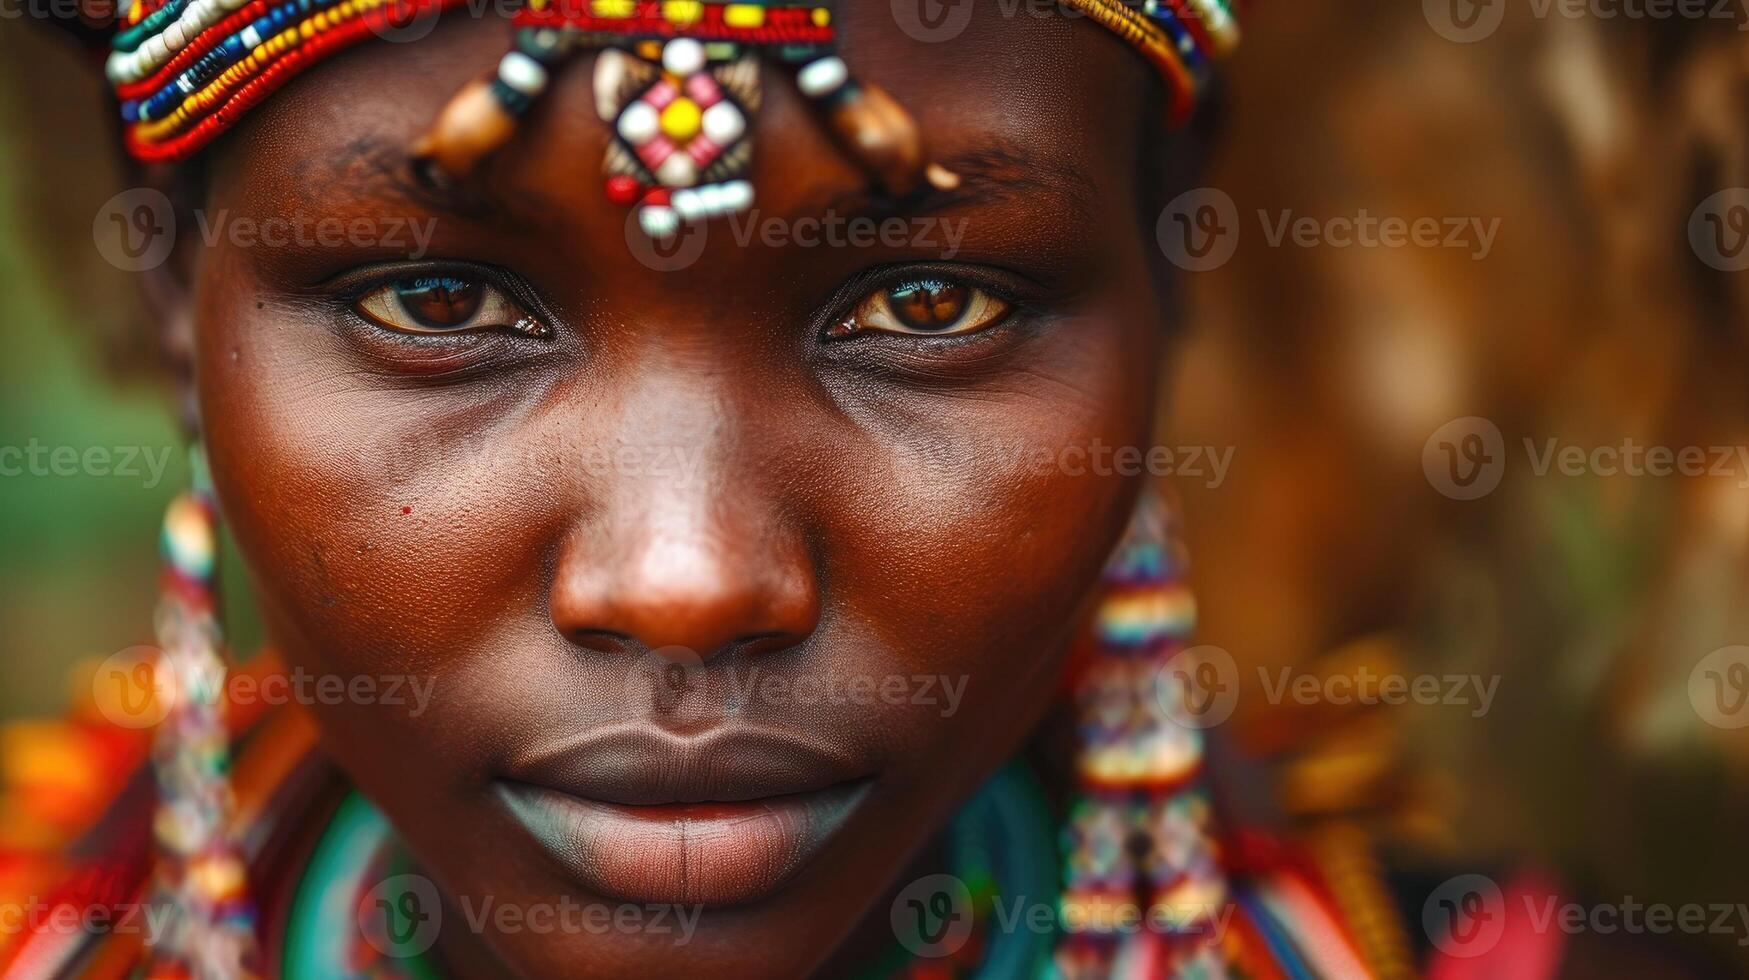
[(1049, 91)]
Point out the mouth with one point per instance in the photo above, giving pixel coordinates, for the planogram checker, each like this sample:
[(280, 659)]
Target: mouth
[(640, 814)]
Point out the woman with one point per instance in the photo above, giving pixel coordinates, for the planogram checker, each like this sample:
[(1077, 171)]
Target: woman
[(736, 555)]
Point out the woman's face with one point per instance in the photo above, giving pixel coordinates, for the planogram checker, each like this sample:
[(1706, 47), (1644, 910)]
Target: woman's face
[(720, 605)]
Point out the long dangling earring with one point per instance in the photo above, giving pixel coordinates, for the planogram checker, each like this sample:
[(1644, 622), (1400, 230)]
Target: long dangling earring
[(1139, 845), (199, 876)]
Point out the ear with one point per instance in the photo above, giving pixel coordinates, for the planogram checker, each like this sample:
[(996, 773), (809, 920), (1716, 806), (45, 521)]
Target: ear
[(1175, 171), (149, 202), (1186, 159), (167, 287)]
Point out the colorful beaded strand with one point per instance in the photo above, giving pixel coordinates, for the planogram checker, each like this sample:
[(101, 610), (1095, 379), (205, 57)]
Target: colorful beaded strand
[(186, 70), (223, 115), (200, 878), (1143, 880)]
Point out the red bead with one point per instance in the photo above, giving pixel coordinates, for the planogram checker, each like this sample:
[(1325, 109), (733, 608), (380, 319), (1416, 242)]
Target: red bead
[(623, 190), (660, 197)]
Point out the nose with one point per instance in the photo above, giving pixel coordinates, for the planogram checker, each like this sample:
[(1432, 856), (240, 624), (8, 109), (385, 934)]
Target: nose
[(696, 556)]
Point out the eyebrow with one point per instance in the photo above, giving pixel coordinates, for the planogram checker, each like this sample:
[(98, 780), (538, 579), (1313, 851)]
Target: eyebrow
[(998, 173), (376, 166)]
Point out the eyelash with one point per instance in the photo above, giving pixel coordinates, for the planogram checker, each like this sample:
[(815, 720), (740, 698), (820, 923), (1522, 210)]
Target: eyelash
[(881, 282), (532, 321), (852, 298)]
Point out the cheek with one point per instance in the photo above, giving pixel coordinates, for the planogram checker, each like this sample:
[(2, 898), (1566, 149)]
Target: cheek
[(382, 526), (982, 517)]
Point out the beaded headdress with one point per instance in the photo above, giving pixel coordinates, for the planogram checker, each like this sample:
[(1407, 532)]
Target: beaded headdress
[(678, 80)]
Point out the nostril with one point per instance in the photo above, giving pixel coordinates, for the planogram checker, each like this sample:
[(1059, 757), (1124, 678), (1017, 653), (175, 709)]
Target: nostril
[(710, 586), (763, 643), (614, 643), (605, 641)]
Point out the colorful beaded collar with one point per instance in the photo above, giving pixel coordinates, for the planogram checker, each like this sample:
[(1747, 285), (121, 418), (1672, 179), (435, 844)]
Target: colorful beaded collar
[(678, 81)]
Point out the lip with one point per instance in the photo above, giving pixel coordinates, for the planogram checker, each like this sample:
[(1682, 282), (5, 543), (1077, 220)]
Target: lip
[(642, 814)]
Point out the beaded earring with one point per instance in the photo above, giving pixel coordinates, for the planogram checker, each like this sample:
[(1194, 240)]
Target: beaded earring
[(1139, 844), (199, 876)]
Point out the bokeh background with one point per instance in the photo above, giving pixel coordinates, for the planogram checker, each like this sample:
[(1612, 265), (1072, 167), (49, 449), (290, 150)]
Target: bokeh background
[(1592, 321)]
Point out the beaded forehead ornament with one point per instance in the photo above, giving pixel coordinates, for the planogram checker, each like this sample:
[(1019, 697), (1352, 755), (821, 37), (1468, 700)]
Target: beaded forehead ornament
[(678, 80)]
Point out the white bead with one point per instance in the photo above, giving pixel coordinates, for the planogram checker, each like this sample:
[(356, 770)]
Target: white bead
[(737, 195), (710, 198), (640, 123), (677, 171), (690, 205), (683, 56), (250, 36), (821, 78), (522, 73), (659, 221), (724, 124)]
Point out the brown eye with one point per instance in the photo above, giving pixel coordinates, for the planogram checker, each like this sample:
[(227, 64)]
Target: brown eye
[(445, 304), (929, 306), (441, 304), (924, 306)]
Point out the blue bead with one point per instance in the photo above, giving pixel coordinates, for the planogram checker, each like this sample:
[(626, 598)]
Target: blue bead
[(1182, 40)]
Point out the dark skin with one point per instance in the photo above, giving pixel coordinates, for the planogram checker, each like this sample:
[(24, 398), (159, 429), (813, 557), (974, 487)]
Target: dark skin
[(420, 504)]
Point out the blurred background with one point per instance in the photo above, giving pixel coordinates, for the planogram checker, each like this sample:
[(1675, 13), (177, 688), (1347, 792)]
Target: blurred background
[(1593, 319)]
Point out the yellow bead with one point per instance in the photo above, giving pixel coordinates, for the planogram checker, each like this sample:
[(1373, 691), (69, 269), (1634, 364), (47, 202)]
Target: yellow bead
[(682, 11), (744, 15), (682, 120), (614, 8), (822, 16), (220, 877)]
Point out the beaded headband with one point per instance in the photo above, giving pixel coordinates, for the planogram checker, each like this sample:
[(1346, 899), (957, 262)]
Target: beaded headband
[(677, 79)]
